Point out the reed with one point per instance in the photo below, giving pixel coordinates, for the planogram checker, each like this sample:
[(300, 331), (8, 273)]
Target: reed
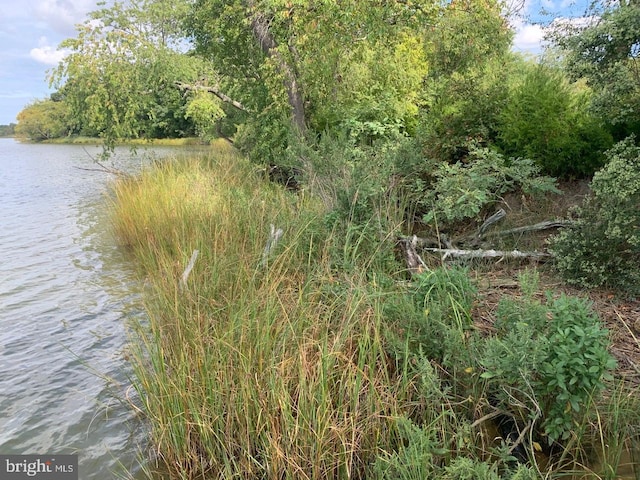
[(247, 369), (303, 360)]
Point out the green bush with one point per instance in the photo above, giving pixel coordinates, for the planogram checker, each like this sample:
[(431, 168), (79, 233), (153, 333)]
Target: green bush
[(547, 361), (462, 190), (602, 246), (547, 119), (574, 365)]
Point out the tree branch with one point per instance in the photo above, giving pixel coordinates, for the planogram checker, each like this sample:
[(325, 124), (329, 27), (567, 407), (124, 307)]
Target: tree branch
[(456, 253), (216, 91)]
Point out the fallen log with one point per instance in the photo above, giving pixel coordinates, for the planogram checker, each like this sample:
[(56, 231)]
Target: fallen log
[(479, 253), (532, 228)]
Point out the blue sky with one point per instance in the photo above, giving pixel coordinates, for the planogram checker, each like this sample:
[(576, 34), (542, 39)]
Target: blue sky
[(31, 30)]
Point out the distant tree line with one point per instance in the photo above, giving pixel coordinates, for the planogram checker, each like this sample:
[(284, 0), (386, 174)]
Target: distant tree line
[(7, 130)]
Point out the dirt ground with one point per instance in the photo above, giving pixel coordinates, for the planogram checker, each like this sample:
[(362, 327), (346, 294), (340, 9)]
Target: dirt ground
[(499, 278), (620, 316)]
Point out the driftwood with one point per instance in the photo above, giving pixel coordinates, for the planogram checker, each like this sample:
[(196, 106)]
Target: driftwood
[(187, 271), (479, 253), (533, 228), (408, 245), (443, 246)]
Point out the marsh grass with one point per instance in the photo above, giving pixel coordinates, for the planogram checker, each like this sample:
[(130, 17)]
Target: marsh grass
[(250, 371), (315, 363)]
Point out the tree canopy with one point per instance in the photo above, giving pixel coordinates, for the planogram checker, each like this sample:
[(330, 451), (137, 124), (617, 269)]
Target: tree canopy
[(272, 74)]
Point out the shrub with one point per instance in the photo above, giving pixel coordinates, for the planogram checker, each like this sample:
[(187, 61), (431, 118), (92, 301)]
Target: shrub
[(548, 360), (602, 246), (574, 365), (462, 190), (546, 119)]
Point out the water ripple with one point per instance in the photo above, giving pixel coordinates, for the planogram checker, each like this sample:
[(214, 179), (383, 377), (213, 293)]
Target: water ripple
[(66, 293)]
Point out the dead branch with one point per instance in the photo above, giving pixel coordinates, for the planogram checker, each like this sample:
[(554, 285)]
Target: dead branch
[(495, 218), (457, 253), (547, 225), (103, 168), (187, 271), (415, 264), (272, 241), (214, 90)]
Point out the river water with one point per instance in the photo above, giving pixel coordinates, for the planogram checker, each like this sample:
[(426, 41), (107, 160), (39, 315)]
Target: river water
[(67, 293)]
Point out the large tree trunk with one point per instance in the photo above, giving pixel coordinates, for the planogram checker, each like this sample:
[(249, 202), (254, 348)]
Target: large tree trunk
[(260, 28)]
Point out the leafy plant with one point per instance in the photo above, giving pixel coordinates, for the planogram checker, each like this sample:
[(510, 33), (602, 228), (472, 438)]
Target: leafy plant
[(462, 190), (548, 360), (575, 363), (602, 246)]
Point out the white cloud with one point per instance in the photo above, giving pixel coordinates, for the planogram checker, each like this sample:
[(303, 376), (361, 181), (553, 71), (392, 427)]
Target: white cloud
[(575, 22), (63, 15), (47, 54), (529, 38)]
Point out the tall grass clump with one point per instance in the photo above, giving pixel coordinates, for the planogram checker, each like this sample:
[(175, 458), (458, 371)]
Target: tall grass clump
[(250, 369)]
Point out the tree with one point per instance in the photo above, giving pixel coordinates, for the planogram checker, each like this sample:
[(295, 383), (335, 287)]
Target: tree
[(606, 53), (547, 119), (470, 62), (7, 130), (298, 65), (119, 79), (43, 120)]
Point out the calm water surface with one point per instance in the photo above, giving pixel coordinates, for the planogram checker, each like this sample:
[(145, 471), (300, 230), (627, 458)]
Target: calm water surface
[(66, 294)]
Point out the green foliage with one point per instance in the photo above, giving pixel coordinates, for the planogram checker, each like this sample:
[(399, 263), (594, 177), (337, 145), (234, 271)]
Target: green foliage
[(605, 52), (415, 461), (462, 190), (204, 111), (547, 119), (548, 360), (119, 79), (7, 130), (43, 120), (574, 366), (602, 246), (469, 63), (355, 66), (463, 468), (378, 91)]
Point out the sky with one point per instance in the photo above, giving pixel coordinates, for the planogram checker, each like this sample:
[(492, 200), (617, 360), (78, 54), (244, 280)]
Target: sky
[(31, 30)]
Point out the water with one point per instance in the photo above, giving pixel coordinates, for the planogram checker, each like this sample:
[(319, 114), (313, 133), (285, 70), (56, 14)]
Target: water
[(66, 294)]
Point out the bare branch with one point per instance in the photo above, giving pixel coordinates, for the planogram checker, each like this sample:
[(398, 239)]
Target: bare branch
[(456, 253), (533, 228), (214, 90)]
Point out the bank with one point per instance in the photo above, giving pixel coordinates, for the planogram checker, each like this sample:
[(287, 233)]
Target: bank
[(287, 341)]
